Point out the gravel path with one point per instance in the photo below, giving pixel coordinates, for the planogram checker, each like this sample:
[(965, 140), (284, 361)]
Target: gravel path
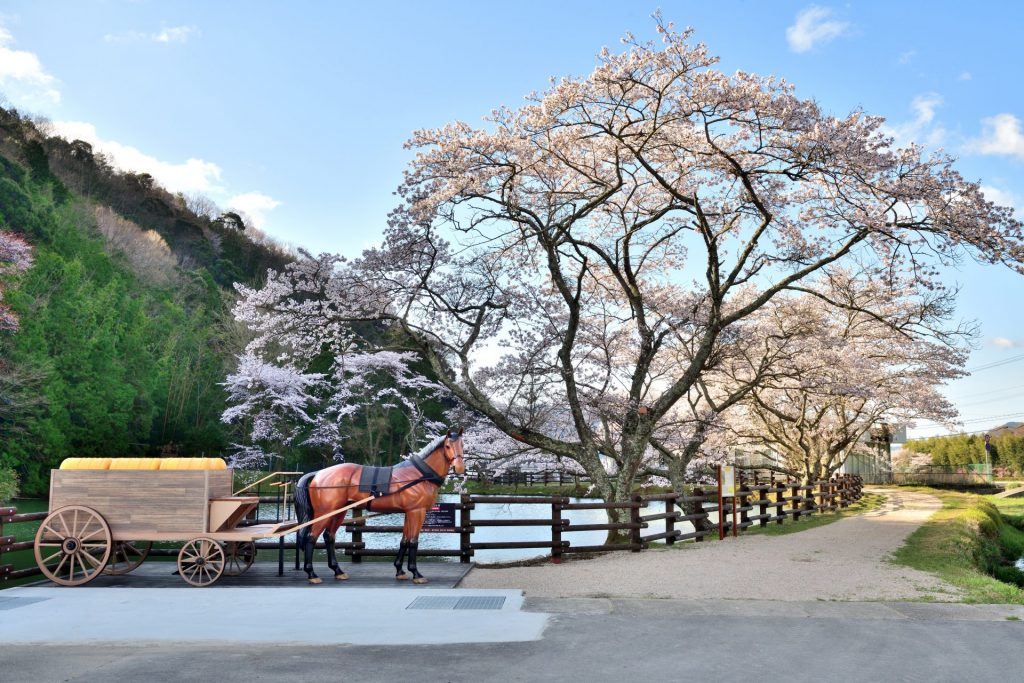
[(846, 560)]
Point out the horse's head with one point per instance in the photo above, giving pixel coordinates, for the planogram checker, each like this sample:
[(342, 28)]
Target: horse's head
[(453, 450)]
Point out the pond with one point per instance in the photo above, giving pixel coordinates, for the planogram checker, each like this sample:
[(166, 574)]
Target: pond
[(489, 534)]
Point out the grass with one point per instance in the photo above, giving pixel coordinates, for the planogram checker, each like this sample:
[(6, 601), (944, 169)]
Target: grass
[(867, 503), (970, 542)]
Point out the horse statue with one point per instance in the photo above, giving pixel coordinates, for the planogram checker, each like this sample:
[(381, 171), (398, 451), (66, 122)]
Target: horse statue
[(410, 487)]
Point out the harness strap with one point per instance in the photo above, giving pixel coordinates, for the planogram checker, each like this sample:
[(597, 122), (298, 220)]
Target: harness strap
[(424, 469)]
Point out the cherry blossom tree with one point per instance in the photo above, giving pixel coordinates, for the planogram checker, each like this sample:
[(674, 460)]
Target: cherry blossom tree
[(603, 251), (15, 258), (277, 397), (869, 352)]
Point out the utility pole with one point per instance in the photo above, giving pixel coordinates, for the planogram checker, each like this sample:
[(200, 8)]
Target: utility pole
[(988, 458)]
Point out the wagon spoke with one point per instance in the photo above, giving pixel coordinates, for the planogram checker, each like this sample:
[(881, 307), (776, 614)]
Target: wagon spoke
[(64, 559), (63, 525), (71, 572), (74, 522), (99, 530), (55, 532), (87, 555), (59, 552)]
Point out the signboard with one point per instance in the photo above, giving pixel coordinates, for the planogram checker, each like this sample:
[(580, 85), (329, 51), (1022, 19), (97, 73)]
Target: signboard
[(441, 517), (728, 481)]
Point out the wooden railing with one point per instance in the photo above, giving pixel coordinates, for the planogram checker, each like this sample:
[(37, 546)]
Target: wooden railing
[(757, 503), (8, 517)]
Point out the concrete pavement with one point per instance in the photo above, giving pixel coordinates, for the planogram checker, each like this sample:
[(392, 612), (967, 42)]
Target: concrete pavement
[(585, 639)]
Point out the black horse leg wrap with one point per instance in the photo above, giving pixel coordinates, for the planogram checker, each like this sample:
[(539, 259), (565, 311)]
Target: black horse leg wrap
[(402, 548), (413, 547)]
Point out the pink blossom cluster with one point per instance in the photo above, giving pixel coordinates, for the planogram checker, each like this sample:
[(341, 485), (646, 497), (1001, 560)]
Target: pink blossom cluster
[(15, 258)]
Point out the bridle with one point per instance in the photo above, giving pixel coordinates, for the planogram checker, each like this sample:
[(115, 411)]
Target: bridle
[(450, 455)]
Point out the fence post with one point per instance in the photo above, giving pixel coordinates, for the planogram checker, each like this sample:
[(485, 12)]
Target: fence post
[(670, 522), (795, 503), (5, 512), (697, 508), (466, 529), (744, 504), (762, 505), (634, 518), (556, 529), (357, 538)]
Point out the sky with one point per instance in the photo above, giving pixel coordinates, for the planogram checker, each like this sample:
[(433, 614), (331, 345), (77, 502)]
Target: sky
[(296, 113)]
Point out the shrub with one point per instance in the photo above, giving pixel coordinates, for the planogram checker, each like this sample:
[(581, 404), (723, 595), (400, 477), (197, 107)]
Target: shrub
[(8, 484)]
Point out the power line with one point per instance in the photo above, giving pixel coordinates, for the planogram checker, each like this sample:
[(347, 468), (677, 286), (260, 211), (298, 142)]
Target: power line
[(998, 363), (990, 400), (981, 419), (992, 391)]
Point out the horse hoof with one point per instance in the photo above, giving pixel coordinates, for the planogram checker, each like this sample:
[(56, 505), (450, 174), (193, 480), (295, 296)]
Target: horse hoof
[(341, 577), (419, 580), (401, 577), (315, 581)]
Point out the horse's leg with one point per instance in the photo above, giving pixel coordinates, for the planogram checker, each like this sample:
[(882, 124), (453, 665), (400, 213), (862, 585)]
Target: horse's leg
[(413, 524), (314, 533), (400, 559), (329, 539)]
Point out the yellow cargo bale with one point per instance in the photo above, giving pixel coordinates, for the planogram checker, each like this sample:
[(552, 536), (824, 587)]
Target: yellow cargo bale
[(174, 463), (135, 463), (192, 464), (85, 464)]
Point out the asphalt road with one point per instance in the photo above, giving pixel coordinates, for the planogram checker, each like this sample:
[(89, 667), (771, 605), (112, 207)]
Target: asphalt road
[(603, 640)]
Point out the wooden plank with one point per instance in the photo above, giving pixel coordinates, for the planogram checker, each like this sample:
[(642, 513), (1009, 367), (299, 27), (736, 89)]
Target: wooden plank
[(226, 513), (141, 504)]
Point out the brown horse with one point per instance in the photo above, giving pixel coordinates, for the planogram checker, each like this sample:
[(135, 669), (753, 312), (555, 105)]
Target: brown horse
[(412, 489)]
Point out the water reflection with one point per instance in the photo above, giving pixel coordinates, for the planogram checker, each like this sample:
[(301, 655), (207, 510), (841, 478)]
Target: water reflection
[(490, 534)]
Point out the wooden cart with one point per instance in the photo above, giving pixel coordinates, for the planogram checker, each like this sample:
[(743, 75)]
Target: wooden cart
[(106, 520)]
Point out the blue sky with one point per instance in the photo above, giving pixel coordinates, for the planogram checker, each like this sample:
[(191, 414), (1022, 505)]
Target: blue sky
[(296, 112)]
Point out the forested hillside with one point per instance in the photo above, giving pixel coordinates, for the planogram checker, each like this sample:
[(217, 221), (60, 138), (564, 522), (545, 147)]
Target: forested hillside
[(125, 334), (1006, 452)]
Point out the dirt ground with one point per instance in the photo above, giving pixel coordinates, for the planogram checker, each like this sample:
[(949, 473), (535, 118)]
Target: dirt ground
[(846, 560)]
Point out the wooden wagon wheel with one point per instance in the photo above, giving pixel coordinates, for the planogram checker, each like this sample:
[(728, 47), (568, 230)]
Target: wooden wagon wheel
[(126, 556), (240, 556), (72, 545), (201, 561)]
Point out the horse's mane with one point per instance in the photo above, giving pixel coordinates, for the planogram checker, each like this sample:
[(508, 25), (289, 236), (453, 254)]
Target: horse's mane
[(432, 446)]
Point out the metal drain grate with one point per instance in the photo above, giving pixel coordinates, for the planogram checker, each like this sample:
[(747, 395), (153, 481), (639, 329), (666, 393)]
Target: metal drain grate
[(481, 602), (469, 602)]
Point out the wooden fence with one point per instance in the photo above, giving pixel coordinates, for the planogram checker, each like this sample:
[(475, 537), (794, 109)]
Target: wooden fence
[(756, 503)]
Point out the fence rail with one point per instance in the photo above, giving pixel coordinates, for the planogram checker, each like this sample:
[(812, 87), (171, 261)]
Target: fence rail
[(756, 503)]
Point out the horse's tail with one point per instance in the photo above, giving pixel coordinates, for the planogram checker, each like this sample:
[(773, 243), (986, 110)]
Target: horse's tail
[(303, 508)]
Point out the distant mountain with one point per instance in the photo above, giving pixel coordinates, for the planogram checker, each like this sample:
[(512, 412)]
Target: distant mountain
[(1010, 428)]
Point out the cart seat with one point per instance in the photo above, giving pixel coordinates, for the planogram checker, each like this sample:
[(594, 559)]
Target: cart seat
[(226, 513)]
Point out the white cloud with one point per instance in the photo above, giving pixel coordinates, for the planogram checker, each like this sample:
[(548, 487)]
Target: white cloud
[(22, 75), (1001, 135), (172, 34), (922, 128), (255, 205), (1002, 197), (813, 27), (191, 175), (907, 57), (964, 76), (1004, 343)]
